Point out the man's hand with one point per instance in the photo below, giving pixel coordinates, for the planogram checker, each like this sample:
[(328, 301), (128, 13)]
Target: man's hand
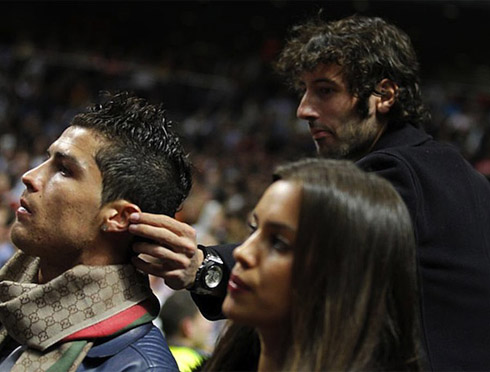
[(173, 256)]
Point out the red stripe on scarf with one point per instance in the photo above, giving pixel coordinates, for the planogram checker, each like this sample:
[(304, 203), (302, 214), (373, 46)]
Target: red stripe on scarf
[(113, 324)]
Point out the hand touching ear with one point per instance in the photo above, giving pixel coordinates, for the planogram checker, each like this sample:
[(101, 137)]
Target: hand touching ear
[(171, 250), (116, 215)]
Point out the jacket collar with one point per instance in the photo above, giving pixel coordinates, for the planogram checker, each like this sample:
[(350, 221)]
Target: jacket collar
[(116, 344), (406, 135)]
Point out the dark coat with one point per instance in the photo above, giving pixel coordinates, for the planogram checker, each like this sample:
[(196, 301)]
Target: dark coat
[(450, 207)]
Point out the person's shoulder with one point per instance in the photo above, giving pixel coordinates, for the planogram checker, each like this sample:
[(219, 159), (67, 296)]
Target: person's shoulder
[(403, 137), (408, 147), (153, 348), (140, 349), (411, 140)]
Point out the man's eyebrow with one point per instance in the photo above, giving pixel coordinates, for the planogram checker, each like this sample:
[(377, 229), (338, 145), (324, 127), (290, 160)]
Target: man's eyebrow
[(325, 80), (63, 156), (322, 80)]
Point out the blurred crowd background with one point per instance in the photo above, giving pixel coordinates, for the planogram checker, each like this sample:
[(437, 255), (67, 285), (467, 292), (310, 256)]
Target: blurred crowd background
[(209, 63)]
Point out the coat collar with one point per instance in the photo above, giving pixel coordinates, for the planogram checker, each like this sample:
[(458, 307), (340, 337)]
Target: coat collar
[(116, 344), (406, 135)]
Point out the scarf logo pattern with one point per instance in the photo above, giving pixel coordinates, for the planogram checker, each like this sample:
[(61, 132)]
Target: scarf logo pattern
[(35, 313), (41, 315)]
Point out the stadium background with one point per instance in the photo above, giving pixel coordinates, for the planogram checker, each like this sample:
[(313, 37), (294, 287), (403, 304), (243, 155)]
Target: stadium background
[(209, 62)]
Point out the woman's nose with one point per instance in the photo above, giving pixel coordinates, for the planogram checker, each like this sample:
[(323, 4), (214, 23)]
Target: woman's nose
[(246, 254)]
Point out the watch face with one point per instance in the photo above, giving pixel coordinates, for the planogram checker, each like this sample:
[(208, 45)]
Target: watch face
[(213, 276)]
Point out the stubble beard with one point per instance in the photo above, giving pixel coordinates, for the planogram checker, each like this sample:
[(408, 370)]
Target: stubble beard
[(354, 141)]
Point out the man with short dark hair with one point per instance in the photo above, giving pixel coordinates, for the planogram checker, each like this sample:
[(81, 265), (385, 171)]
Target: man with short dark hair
[(70, 299), (358, 79)]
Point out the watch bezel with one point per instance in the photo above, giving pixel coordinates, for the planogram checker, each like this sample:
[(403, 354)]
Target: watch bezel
[(200, 286), (205, 280)]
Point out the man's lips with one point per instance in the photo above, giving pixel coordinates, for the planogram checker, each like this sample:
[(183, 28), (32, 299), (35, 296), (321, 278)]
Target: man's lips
[(235, 284), (24, 207), (320, 133)]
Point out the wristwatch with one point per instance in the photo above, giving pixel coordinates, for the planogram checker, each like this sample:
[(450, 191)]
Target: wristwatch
[(210, 275)]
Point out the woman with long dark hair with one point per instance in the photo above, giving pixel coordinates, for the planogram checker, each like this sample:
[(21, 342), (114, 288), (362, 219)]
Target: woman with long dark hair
[(326, 281)]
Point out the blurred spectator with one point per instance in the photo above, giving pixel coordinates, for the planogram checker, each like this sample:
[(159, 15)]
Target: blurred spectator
[(236, 118), (188, 333), (7, 249)]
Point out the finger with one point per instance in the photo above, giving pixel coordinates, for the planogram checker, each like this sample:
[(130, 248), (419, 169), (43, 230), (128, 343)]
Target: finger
[(161, 270), (175, 279), (158, 234), (166, 238), (158, 220), (148, 267), (163, 255)]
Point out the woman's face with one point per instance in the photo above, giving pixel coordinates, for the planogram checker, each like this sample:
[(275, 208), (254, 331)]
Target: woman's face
[(260, 283)]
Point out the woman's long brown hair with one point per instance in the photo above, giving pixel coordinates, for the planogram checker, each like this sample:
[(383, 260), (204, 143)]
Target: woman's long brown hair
[(354, 293)]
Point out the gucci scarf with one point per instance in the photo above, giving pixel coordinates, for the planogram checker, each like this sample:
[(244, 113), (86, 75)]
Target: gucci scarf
[(59, 321)]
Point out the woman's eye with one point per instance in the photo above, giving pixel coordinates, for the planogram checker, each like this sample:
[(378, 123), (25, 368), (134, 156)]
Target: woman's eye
[(279, 244)]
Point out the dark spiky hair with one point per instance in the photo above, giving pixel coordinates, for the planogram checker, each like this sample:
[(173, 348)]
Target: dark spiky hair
[(143, 160)]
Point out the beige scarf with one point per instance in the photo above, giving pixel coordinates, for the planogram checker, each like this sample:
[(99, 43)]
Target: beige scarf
[(40, 316)]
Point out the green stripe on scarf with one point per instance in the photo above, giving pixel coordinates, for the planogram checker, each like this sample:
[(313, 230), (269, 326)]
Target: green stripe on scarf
[(67, 359)]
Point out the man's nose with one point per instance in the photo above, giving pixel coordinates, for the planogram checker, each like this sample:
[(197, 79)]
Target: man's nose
[(306, 110), (32, 180)]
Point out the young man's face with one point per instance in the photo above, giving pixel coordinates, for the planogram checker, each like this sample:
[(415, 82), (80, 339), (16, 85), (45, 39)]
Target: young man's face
[(335, 125), (59, 218)]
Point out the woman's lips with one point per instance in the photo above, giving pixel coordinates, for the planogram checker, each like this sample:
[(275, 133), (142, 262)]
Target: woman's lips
[(236, 285)]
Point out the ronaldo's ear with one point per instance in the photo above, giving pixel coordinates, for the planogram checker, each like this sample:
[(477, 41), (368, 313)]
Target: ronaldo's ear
[(115, 215), (386, 92)]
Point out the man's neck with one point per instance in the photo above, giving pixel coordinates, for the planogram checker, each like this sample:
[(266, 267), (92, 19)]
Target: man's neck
[(93, 256), (48, 272)]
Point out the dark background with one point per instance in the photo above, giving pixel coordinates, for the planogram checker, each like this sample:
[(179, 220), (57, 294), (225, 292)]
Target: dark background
[(209, 63), (448, 35)]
